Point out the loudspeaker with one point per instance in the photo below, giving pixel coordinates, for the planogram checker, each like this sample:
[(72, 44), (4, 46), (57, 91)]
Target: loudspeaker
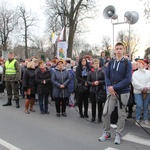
[(132, 17), (109, 12)]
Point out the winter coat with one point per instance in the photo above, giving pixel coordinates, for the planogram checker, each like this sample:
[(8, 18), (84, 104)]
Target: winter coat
[(141, 79), (96, 76), (60, 77), (40, 76), (29, 80)]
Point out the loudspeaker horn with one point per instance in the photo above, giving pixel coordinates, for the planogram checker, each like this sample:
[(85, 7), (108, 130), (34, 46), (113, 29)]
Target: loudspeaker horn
[(109, 12), (132, 17)]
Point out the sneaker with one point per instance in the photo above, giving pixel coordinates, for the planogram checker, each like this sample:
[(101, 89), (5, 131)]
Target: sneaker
[(114, 126), (105, 136), (137, 122), (146, 122), (117, 138)]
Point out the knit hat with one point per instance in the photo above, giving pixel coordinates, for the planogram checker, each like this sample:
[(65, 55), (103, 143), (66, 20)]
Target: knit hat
[(146, 61)]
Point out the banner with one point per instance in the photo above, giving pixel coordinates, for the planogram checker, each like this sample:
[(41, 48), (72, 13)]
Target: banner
[(61, 37), (62, 50), (54, 37)]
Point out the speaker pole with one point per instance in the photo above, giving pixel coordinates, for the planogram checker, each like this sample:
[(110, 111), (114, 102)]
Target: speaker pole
[(113, 40), (129, 50), (130, 18)]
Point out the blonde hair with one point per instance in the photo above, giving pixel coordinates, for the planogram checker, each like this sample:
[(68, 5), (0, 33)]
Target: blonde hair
[(29, 64), (95, 61), (36, 61)]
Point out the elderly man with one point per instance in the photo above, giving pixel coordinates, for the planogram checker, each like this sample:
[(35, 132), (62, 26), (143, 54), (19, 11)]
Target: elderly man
[(11, 76)]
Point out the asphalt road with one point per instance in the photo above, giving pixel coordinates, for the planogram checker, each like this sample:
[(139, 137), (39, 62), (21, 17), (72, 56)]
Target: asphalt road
[(20, 131)]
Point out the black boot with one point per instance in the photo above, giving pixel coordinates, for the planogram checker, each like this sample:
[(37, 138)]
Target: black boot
[(93, 119), (86, 115), (17, 103), (8, 103)]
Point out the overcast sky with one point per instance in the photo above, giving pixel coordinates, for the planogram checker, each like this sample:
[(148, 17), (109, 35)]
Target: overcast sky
[(101, 26)]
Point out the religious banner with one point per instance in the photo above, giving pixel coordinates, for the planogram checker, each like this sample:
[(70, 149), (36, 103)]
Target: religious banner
[(62, 50)]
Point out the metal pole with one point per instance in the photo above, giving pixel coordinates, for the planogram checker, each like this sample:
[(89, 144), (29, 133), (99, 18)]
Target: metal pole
[(129, 37), (112, 53), (64, 19), (129, 50)]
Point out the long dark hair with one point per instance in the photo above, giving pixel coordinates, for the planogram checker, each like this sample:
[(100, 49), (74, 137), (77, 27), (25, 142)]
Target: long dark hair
[(80, 63)]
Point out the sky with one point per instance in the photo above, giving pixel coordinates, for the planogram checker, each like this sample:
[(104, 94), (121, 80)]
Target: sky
[(100, 26)]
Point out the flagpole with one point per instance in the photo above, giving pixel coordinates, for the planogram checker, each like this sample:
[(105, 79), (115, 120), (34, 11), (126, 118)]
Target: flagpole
[(63, 20)]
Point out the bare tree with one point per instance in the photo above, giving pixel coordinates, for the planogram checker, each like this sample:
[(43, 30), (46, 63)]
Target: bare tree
[(68, 13), (147, 10), (131, 42), (8, 22), (147, 53), (106, 44), (27, 21)]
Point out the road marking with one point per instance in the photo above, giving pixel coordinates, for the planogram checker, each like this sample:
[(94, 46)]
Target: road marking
[(110, 148), (136, 139), (8, 145)]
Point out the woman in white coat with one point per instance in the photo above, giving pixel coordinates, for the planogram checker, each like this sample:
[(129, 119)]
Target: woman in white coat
[(141, 84)]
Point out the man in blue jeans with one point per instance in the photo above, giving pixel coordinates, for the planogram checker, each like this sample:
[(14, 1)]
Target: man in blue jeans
[(118, 78)]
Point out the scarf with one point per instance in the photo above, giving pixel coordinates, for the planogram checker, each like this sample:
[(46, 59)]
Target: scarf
[(84, 72)]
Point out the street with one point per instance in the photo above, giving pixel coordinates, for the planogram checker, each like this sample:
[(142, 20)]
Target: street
[(34, 131)]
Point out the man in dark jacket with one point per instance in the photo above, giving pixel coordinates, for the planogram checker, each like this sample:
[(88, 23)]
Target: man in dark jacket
[(102, 59), (118, 77)]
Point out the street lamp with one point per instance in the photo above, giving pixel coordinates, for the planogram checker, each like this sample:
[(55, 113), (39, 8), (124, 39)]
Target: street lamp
[(129, 18)]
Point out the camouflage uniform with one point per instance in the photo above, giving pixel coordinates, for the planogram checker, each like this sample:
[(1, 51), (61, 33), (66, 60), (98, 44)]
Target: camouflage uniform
[(12, 82)]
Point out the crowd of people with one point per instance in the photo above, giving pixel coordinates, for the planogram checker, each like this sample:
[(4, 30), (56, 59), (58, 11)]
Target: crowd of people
[(112, 86)]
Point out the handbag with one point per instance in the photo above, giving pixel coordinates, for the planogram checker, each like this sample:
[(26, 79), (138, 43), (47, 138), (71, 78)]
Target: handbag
[(101, 94), (81, 88)]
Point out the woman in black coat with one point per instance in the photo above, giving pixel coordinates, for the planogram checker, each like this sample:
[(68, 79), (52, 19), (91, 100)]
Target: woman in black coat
[(83, 90), (29, 86), (96, 80), (60, 81), (43, 80)]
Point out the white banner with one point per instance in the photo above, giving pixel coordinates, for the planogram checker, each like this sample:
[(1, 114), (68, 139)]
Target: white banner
[(62, 50)]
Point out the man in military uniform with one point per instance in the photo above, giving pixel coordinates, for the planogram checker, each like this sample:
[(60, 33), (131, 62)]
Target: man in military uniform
[(11, 76)]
